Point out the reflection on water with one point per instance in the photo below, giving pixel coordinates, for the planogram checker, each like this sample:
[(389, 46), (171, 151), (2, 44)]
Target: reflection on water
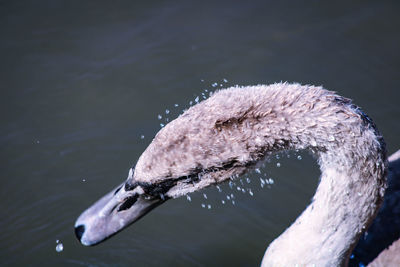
[(82, 86)]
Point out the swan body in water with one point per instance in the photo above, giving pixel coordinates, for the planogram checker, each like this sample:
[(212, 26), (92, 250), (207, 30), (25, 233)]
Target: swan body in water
[(230, 132)]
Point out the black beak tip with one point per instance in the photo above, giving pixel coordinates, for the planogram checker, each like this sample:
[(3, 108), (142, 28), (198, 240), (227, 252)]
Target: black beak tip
[(79, 230)]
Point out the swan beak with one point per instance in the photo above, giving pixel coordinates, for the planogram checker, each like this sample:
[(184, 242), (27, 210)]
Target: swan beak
[(112, 213)]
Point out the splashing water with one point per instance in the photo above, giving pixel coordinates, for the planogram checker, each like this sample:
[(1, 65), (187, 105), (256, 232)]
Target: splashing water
[(59, 246), (234, 183)]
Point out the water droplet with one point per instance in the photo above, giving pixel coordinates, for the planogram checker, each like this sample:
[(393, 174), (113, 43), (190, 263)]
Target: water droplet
[(214, 84), (248, 180), (270, 181), (59, 247), (219, 189), (251, 192), (228, 197), (159, 116), (257, 171), (142, 136), (162, 125), (231, 184), (209, 206), (232, 196), (244, 191), (225, 80), (313, 142), (223, 201), (203, 205), (176, 105), (37, 142), (167, 111), (162, 196), (278, 165), (359, 194), (196, 99), (191, 103), (205, 196), (83, 180), (233, 202), (202, 80), (299, 157), (188, 198), (238, 188), (277, 157)]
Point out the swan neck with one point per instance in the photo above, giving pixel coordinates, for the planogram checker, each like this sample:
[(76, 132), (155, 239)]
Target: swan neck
[(326, 232)]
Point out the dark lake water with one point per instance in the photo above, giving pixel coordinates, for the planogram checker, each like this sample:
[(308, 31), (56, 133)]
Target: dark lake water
[(82, 81)]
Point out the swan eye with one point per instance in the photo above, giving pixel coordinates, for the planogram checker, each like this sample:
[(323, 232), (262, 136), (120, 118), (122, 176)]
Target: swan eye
[(128, 202), (130, 186)]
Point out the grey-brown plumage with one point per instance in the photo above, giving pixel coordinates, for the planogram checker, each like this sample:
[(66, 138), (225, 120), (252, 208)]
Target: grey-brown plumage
[(382, 237), (236, 127), (226, 134)]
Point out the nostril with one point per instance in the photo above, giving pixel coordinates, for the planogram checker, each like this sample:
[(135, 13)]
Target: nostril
[(128, 203), (79, 230)]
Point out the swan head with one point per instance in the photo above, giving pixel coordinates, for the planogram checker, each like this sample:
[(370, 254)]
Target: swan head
[(133, 199), (118, 209), (209, 143)]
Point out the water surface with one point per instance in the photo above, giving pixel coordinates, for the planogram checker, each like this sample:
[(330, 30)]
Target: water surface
[(81, 82)]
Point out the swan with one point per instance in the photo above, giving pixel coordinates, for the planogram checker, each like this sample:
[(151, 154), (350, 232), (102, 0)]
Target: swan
[(380, 245), (228, 133)]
